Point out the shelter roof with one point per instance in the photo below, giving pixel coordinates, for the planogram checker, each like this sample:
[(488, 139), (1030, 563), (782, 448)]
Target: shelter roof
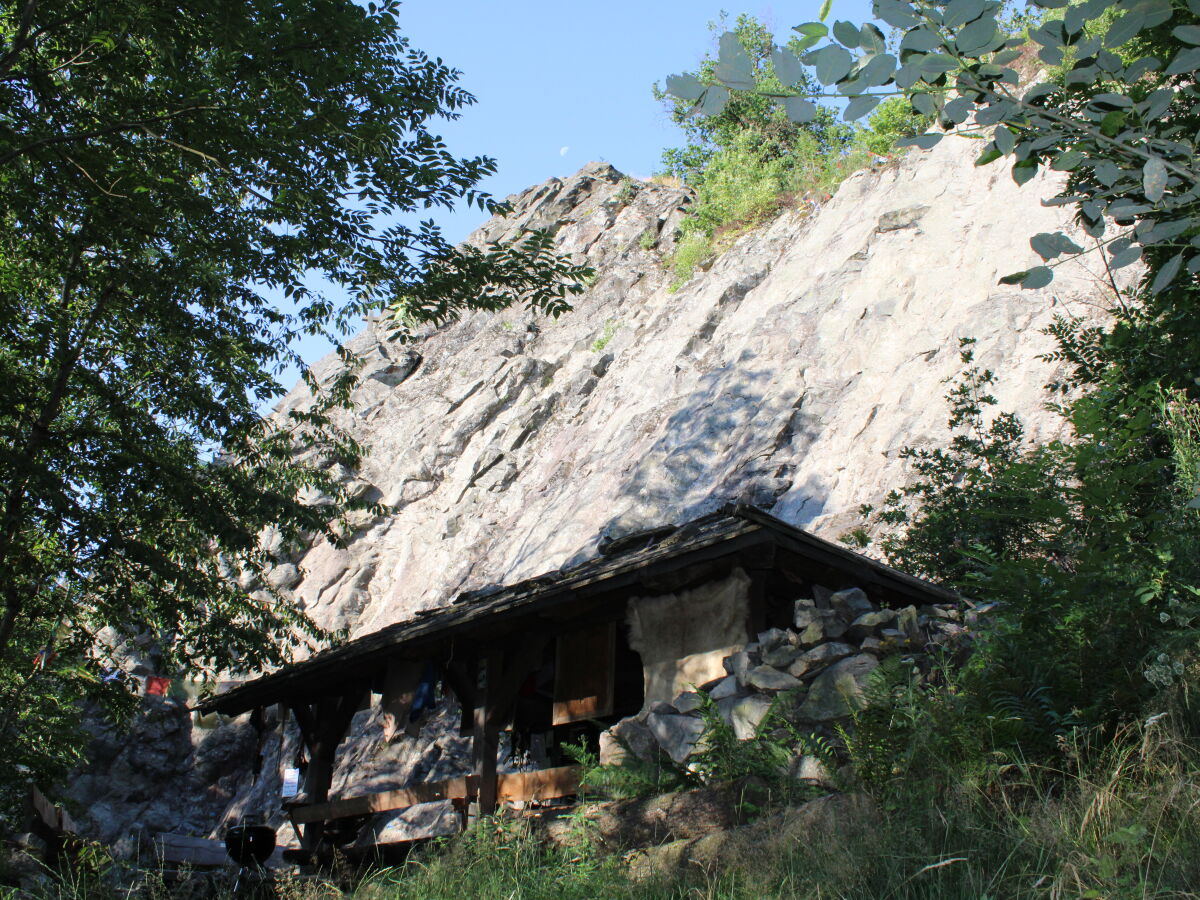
[(656, 560)]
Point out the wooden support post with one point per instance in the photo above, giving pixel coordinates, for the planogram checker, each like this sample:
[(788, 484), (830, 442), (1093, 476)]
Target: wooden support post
[(756, 619), (462, 678), (399, 690), (485, 741), (323, 725)]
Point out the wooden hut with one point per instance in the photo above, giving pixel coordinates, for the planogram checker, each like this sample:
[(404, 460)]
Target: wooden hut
[(564, 654)]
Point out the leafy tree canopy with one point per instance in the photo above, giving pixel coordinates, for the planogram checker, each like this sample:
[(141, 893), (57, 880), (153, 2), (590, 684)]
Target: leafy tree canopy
[(167, 171)]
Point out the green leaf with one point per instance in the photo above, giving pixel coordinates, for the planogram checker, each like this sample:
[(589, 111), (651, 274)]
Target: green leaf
[(1124, 29), (937, 63), (991, 154), (1037, 277), (924, 141), (1189, 34), (846, 33), (1049, 245), (685, 87), (957, 110), (1005, 139), (1154, 179), (1015, 277), (1067, 161), (812, 29), (896, 14), (924, 104), (977, 35), (714, 101), (1111, 123), (787, 68), (799, 110), (825, 8), (879, 70), (921, 39), (1024, 171), (960, 12), (832, 63), (1187, 60), (1004, 57), (1166, 274), (871, 38), (906, 76), (734, 67), (860, 106), (1125, 257)]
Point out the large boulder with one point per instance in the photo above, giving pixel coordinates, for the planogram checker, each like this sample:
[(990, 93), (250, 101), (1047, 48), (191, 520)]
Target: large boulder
[(839, 690)]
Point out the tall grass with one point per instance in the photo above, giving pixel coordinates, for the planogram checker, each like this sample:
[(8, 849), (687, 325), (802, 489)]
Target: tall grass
[(1117, 822)]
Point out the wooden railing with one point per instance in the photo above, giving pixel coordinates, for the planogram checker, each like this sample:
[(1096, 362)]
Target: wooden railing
[(545, 784)]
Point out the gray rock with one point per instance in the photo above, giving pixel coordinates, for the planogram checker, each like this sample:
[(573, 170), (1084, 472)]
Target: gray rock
[(871, 645), (726, 687), (811, 769), (896, 219), (852, 602), (825, 625), (870, 623), (687, 702), (676, 735), (284, 576), (766, 678), (627, 736), (772, 639), (700, 398), (746, 715), (804, 613), (909, 621), (781, 657), (818, 657), (838, 691), (813, 633), (738, 664)]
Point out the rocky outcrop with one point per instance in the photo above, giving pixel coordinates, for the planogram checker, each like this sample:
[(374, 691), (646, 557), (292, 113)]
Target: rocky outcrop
[(788, 373)]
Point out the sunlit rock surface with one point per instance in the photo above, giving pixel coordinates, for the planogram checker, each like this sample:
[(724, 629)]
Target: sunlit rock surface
[(788, 374)]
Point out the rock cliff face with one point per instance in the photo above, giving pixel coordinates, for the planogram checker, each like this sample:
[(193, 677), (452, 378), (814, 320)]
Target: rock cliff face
[(788, 374)]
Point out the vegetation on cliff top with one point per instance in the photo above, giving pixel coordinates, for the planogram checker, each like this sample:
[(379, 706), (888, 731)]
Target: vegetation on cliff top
[(750, 160)]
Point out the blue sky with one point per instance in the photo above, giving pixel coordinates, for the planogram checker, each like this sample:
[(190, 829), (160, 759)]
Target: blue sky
[(560, 84)]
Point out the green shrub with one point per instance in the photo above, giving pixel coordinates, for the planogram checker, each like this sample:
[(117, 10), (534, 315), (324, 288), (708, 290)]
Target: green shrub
[(694, 248), (892, 120)]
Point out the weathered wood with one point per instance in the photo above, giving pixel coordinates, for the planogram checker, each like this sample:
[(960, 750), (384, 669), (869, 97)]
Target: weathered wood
[(756, 617), (179, 848), (546, 784), (386, 801), (519, 663), (327, 722), (46, 816), (399, 690), (485, 739), (584, 673), (461, 677)]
